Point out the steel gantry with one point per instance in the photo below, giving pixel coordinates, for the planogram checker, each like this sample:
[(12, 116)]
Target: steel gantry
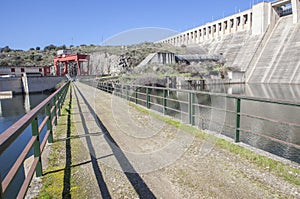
[(73, 63)]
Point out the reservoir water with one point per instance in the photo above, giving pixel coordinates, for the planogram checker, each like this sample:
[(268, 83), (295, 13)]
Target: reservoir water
[(288, 132), (10, 111)]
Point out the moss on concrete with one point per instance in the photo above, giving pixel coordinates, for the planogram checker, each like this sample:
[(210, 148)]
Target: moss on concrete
[(59, 179)]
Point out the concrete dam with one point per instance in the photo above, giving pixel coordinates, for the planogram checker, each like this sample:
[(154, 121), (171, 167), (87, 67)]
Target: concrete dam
[(263, 42)]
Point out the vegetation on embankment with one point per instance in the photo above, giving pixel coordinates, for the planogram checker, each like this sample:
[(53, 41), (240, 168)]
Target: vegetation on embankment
[(287, 172), (36, 56), (41, 57), (116, 60)]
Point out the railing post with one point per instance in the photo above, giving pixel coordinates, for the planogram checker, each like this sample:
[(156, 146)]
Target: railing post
[(36, 146), (238, 118), (191, 108), (136, 95), (64, 94), (127, 92), (148, 97), (1, 190), (49, 123), (55, 112), (59, 101), (165, 102)]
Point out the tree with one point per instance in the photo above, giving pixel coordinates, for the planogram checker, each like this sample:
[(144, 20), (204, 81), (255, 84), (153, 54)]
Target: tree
[(38, 57), (3, 63), (50, 47), (63, 47), (37, 48), (6, 49), (16, 62), (31, 57), (31, 49)]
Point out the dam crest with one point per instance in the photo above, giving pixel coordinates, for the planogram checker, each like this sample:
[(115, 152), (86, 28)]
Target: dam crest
[(262, 42)]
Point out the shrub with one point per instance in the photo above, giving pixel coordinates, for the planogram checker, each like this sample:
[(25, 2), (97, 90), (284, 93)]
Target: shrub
[(63, 47), (31, 57), (6, 49), (38, 57), (3, 63), (50, 47)]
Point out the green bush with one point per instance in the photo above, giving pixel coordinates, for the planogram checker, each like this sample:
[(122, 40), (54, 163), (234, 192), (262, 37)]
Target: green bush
[(3, 63), (6, 49), (38, 57), (50, 47)]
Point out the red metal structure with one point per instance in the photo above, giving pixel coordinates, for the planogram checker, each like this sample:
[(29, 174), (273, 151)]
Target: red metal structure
[(71, 57), (47, 70)]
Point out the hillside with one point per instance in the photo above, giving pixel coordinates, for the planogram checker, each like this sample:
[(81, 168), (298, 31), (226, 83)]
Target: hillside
[(39, 57), (117, 60)]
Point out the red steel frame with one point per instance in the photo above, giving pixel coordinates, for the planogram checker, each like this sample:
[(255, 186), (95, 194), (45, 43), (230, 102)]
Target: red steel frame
[(66, 58)]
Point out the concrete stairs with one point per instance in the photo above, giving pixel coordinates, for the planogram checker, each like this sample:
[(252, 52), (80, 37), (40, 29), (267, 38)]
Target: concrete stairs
[(147, 59)]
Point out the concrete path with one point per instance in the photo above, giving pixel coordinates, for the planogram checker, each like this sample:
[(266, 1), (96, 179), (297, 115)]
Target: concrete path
[(133, 155)]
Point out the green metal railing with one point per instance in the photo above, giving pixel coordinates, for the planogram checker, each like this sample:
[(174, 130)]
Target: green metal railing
[(51, 106), (143, 95)]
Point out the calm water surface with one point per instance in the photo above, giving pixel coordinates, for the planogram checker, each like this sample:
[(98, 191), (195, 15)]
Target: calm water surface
[(10, 111)]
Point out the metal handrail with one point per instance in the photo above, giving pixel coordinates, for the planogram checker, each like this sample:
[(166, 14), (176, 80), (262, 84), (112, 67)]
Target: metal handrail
[(51, 105), (192, 105)]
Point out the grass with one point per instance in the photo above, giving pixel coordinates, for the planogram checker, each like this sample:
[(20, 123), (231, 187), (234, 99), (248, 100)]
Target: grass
[(287, 172), (54, 178)]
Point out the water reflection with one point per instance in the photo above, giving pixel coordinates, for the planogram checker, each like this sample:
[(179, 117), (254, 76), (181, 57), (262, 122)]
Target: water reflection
[(10, 111), (284, 131), (271, 91), (20, 104)]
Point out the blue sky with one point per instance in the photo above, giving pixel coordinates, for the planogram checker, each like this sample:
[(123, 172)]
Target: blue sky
[(32, 23)]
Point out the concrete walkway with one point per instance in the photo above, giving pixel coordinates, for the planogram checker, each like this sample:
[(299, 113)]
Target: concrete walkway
[(130, 154)]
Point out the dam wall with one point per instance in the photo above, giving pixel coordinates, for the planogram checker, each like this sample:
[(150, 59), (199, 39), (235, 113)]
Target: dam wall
[(13, 84), (262, 42), (30, 84), (279, 60)]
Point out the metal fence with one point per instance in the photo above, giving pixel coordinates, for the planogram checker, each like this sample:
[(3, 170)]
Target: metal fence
[(163, 102), (51, 106)]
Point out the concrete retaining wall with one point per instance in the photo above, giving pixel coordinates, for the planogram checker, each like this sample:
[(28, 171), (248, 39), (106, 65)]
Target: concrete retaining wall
[(39, 84), (11, 84), (35, 84)]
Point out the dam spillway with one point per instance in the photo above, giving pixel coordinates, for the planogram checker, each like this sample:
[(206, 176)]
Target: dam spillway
[(262, 42)]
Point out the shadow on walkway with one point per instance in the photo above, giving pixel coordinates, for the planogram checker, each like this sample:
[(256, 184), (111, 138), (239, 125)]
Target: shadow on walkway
[(76, 165), (134, 178), (67, 171), (100, 180)]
